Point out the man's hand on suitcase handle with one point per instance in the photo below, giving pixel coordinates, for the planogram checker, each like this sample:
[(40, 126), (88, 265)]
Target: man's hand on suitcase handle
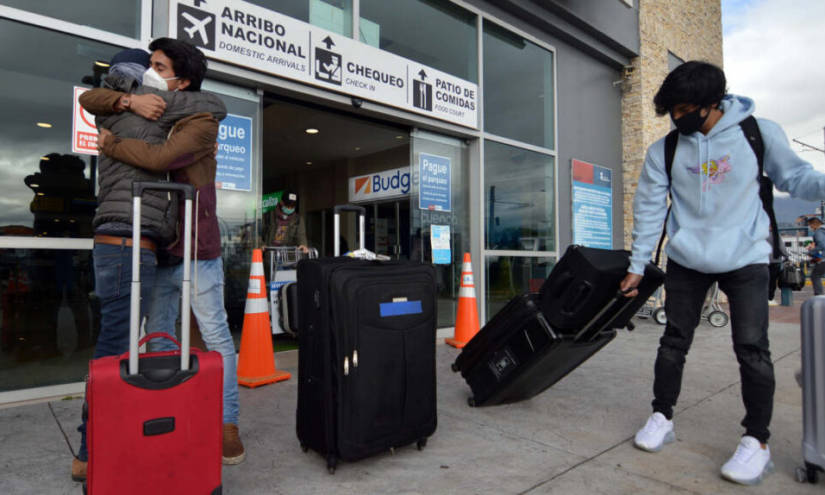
[(629, 285)]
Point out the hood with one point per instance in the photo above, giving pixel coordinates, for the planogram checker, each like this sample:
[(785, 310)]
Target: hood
[(735, 109)]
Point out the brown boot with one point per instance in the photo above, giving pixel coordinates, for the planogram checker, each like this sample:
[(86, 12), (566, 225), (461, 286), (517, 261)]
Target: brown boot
[(233, 451), (78, 469)]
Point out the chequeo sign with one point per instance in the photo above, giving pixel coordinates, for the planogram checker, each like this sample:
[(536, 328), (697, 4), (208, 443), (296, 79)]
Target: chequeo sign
[(251, 36), (388, 184)]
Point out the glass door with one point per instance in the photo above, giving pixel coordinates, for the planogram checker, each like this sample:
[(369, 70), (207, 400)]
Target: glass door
[(439, 225)]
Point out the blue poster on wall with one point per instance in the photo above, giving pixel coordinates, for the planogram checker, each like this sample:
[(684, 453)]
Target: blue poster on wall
[(592, 205), (234, 154), (434, 182)]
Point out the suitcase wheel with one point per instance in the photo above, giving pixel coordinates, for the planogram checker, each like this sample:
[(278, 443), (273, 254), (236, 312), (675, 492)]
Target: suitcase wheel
[(332, 462), (659, 316), (421, 443), (718, 319), (471, 402), (809, 473), (454, 367)]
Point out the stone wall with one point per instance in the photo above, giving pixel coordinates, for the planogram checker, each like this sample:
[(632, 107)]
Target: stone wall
[(691, 30)]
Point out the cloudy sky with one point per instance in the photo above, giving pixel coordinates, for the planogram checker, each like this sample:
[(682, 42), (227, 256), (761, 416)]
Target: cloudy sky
[(775, 53)]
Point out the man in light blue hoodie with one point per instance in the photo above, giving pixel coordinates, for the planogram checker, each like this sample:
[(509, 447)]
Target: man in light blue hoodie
[(719, 232)]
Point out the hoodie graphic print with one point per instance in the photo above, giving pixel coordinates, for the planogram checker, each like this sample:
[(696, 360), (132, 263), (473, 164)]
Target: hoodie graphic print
[(714, 171)]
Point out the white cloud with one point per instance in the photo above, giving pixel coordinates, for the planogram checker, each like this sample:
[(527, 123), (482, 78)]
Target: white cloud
[(774, 54)]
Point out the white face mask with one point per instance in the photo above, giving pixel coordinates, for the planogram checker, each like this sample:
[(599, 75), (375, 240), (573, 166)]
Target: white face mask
[(153, 80)]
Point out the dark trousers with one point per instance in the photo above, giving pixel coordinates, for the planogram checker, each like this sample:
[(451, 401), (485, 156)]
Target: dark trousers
[(817, 273), (747, 291)]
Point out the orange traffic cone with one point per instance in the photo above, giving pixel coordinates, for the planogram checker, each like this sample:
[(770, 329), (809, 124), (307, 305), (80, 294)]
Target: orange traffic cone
[(466, 319), (256, 361)]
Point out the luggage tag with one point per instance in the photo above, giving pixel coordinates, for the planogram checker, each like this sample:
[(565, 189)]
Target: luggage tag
[(400, 306)]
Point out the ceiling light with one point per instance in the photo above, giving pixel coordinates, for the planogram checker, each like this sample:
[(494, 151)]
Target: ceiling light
[(41, 194), (45, 158), (357, 148), (309, 163), (312, 130), (399, 137), (45, 125), (34, 185)]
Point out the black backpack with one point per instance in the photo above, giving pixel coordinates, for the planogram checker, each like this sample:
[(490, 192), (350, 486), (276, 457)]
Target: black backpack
[(754, 137)]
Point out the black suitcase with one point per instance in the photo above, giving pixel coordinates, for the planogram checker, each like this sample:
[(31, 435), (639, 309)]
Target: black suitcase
[(519, 353), (288, 308), (580, 284), (366, 355)]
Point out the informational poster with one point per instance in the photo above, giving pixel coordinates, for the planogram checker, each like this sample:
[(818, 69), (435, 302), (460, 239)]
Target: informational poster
[(434, 182), (252, 36), (592, 205), (84, 131), (440, 243), (234, 154)]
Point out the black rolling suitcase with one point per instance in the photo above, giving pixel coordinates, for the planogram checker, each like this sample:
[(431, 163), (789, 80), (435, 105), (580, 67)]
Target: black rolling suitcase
[(366, 355), (519, 353)]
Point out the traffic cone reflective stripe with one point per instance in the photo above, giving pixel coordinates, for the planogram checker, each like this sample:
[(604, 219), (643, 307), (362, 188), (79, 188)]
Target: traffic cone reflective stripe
[(466, 320), (256, 361)]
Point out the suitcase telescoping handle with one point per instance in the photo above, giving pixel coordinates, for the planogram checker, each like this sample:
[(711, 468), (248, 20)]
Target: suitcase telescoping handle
[(336, 235), (188, 192)]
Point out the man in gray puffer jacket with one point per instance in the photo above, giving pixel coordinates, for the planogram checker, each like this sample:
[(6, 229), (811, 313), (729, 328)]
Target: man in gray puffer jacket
[(113, 221), (115, 178)]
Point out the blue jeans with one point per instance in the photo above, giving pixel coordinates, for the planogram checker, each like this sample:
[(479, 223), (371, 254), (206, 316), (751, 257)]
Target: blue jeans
[(207, 304), (747, 291), (113, 285)]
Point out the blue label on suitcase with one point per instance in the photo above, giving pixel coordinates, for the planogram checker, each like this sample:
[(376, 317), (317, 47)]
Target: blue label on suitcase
[(400, 307)]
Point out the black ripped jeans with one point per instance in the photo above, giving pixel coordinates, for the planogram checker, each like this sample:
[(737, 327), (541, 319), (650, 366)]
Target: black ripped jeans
[(747, 291)]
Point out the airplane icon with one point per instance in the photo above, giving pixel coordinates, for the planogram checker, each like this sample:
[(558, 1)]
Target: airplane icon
[(198, 25)]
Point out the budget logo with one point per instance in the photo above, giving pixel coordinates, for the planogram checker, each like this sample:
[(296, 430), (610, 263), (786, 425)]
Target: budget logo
[(196, 26), (362, 185)]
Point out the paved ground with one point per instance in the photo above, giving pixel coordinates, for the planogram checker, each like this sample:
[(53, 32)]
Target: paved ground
[(573, 439)]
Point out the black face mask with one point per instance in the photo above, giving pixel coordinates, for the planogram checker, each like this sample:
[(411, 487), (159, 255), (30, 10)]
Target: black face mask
[(691, 122)]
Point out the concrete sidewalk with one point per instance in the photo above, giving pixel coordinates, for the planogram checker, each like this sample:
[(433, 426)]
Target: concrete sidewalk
[(575, 438)]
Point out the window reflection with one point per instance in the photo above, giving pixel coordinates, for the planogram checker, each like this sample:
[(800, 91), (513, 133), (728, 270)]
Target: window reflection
[(46, 190), (117, 16), (526, 113), (50, 316), (332, 15), (443, 35), (519, 190), (509, 276)]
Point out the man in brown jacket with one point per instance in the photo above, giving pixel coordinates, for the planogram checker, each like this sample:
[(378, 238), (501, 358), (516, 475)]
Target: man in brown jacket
[(189, 155)]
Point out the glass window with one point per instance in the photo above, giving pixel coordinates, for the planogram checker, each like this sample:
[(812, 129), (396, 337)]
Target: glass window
[(46, 190), (51, 317), (237, 210), (518, 88), (332, 15), (116, 16), (442, 36), (519, 197), (509, 276)]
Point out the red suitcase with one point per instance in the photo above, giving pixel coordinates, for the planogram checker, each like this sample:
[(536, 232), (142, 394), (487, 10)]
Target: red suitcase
[(155, 419)]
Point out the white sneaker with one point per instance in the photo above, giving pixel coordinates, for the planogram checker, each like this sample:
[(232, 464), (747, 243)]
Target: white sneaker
[(772, 302), (655, 434), (749, 464)]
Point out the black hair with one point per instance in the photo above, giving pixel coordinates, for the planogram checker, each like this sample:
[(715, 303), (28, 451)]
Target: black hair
[(187, 61), (694, 82)]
